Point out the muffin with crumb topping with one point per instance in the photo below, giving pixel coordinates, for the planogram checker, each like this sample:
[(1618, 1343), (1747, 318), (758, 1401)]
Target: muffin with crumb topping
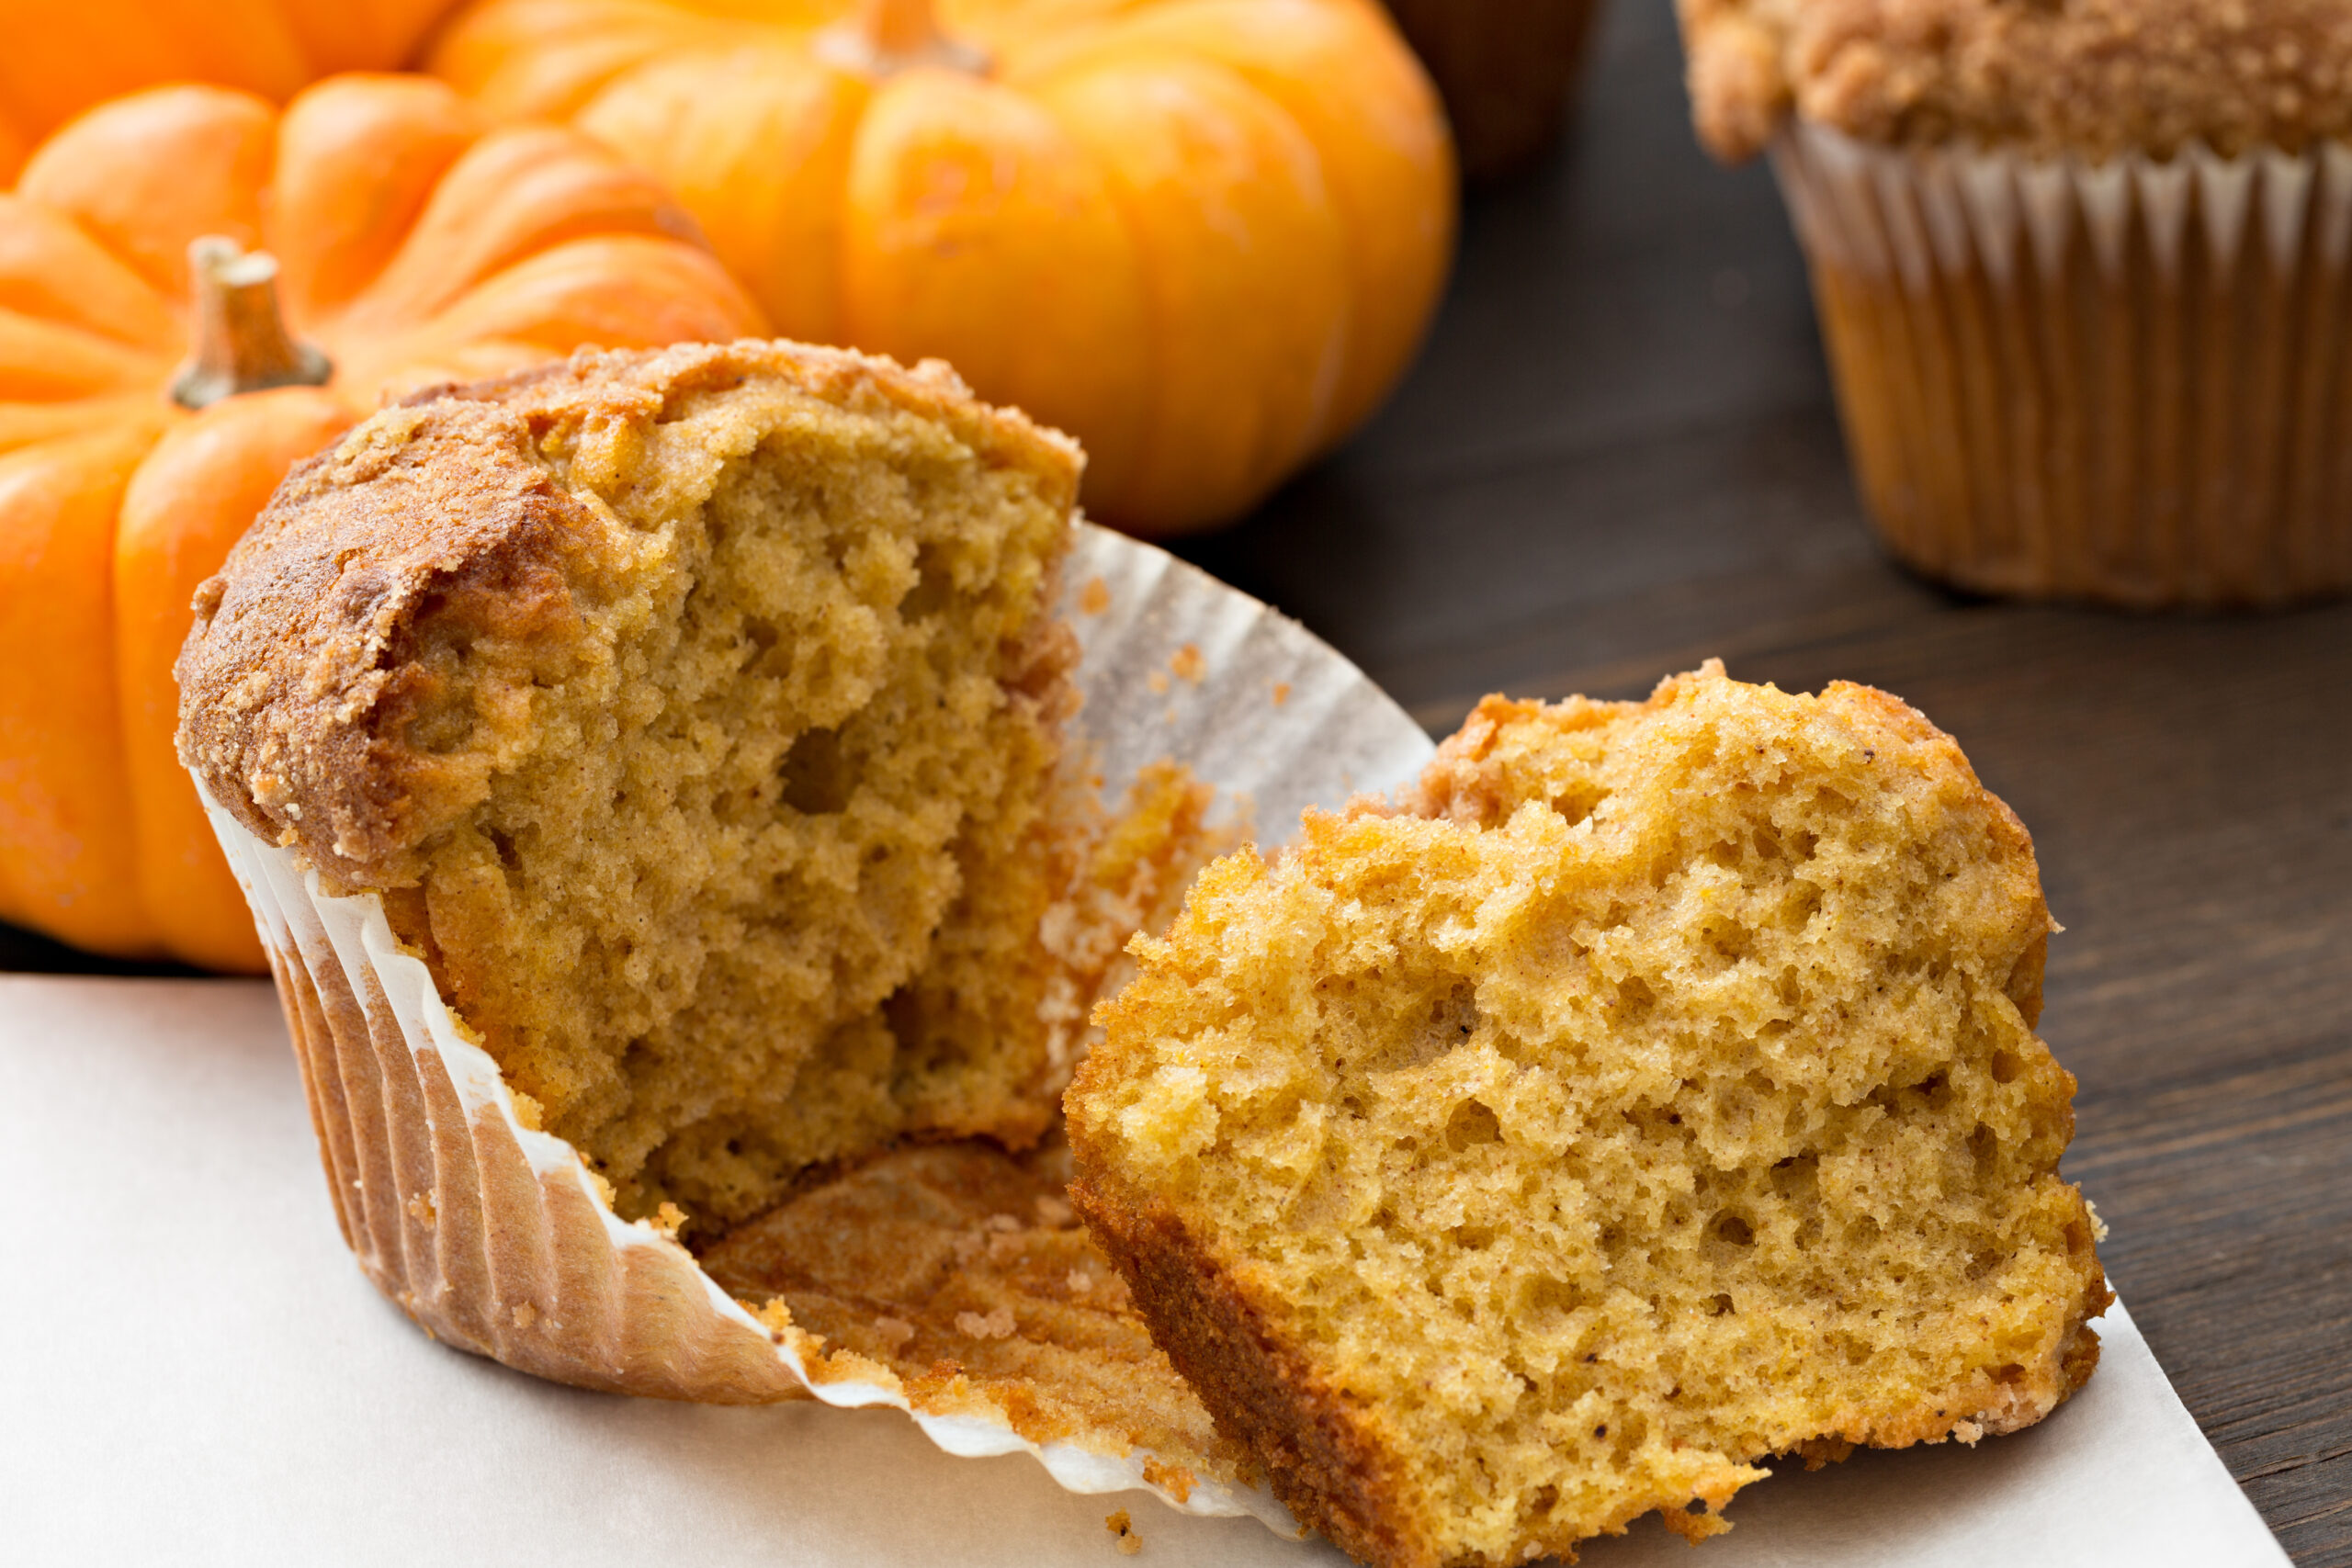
[(2081, 268), (1654, 1092)]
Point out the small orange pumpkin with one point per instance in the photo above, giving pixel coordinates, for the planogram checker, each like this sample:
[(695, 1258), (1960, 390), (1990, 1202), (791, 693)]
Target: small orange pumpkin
[(62, 59), (408, 246), (1204, 236)]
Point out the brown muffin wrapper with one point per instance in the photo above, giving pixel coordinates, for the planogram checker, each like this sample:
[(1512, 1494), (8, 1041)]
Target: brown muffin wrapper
[(496, 1237), (2123, 382)]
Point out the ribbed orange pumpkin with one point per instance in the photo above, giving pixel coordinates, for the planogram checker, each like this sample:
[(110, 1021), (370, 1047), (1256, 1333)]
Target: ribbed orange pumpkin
[(61, 59), (413, 248), (1204, 236)]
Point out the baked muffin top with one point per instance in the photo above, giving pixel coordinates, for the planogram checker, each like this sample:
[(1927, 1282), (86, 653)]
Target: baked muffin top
[(473, 524), (2094, 78)]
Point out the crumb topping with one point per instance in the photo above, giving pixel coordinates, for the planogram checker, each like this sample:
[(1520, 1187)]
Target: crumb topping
[(2094, 78)]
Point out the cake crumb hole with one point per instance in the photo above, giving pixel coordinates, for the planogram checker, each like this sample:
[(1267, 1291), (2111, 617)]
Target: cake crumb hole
[(997, 1325)]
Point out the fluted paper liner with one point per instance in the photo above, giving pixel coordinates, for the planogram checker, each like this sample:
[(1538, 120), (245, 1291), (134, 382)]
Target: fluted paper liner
[(496, 1237), (2123, 381)]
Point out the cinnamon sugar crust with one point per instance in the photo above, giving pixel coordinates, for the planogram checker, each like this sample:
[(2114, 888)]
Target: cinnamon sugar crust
[(488, 516), (2091, 78)]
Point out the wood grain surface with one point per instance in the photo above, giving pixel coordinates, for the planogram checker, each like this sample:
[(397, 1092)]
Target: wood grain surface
[(1619, 456)]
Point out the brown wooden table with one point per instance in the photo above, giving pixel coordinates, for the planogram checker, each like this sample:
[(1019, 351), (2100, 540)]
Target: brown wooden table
[(1619, 456)]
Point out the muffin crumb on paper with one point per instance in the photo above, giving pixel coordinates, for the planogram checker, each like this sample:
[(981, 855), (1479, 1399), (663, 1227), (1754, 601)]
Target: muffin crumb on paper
[(1123, 1529)]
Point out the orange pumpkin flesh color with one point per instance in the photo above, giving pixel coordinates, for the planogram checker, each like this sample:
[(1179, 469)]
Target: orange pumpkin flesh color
[(407, 245), (1204, 236), (61, 59)]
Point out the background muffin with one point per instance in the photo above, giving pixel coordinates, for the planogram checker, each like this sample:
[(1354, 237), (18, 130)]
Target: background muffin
[(2080, 267)]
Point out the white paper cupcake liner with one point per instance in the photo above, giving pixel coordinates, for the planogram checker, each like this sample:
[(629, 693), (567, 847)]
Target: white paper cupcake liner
[(496, 1238), (2123, 380)]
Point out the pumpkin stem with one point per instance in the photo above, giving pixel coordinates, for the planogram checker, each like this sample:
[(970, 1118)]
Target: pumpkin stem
[(887, 36), (241, 343)]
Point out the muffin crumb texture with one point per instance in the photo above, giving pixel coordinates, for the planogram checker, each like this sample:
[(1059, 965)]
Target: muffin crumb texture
[(959, 1271), (2092, 78), (1650, 1092), (695, 714)]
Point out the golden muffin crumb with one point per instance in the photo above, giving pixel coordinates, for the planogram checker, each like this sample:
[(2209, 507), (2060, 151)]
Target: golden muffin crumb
[(1123, 1530), (695, 713), (960, 1268), (1655, 1092), (2096, 78)]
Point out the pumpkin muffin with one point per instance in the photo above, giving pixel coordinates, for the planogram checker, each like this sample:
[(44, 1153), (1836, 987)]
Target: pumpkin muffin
[(1653, 1093), (694, 716), (2081, 270)]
